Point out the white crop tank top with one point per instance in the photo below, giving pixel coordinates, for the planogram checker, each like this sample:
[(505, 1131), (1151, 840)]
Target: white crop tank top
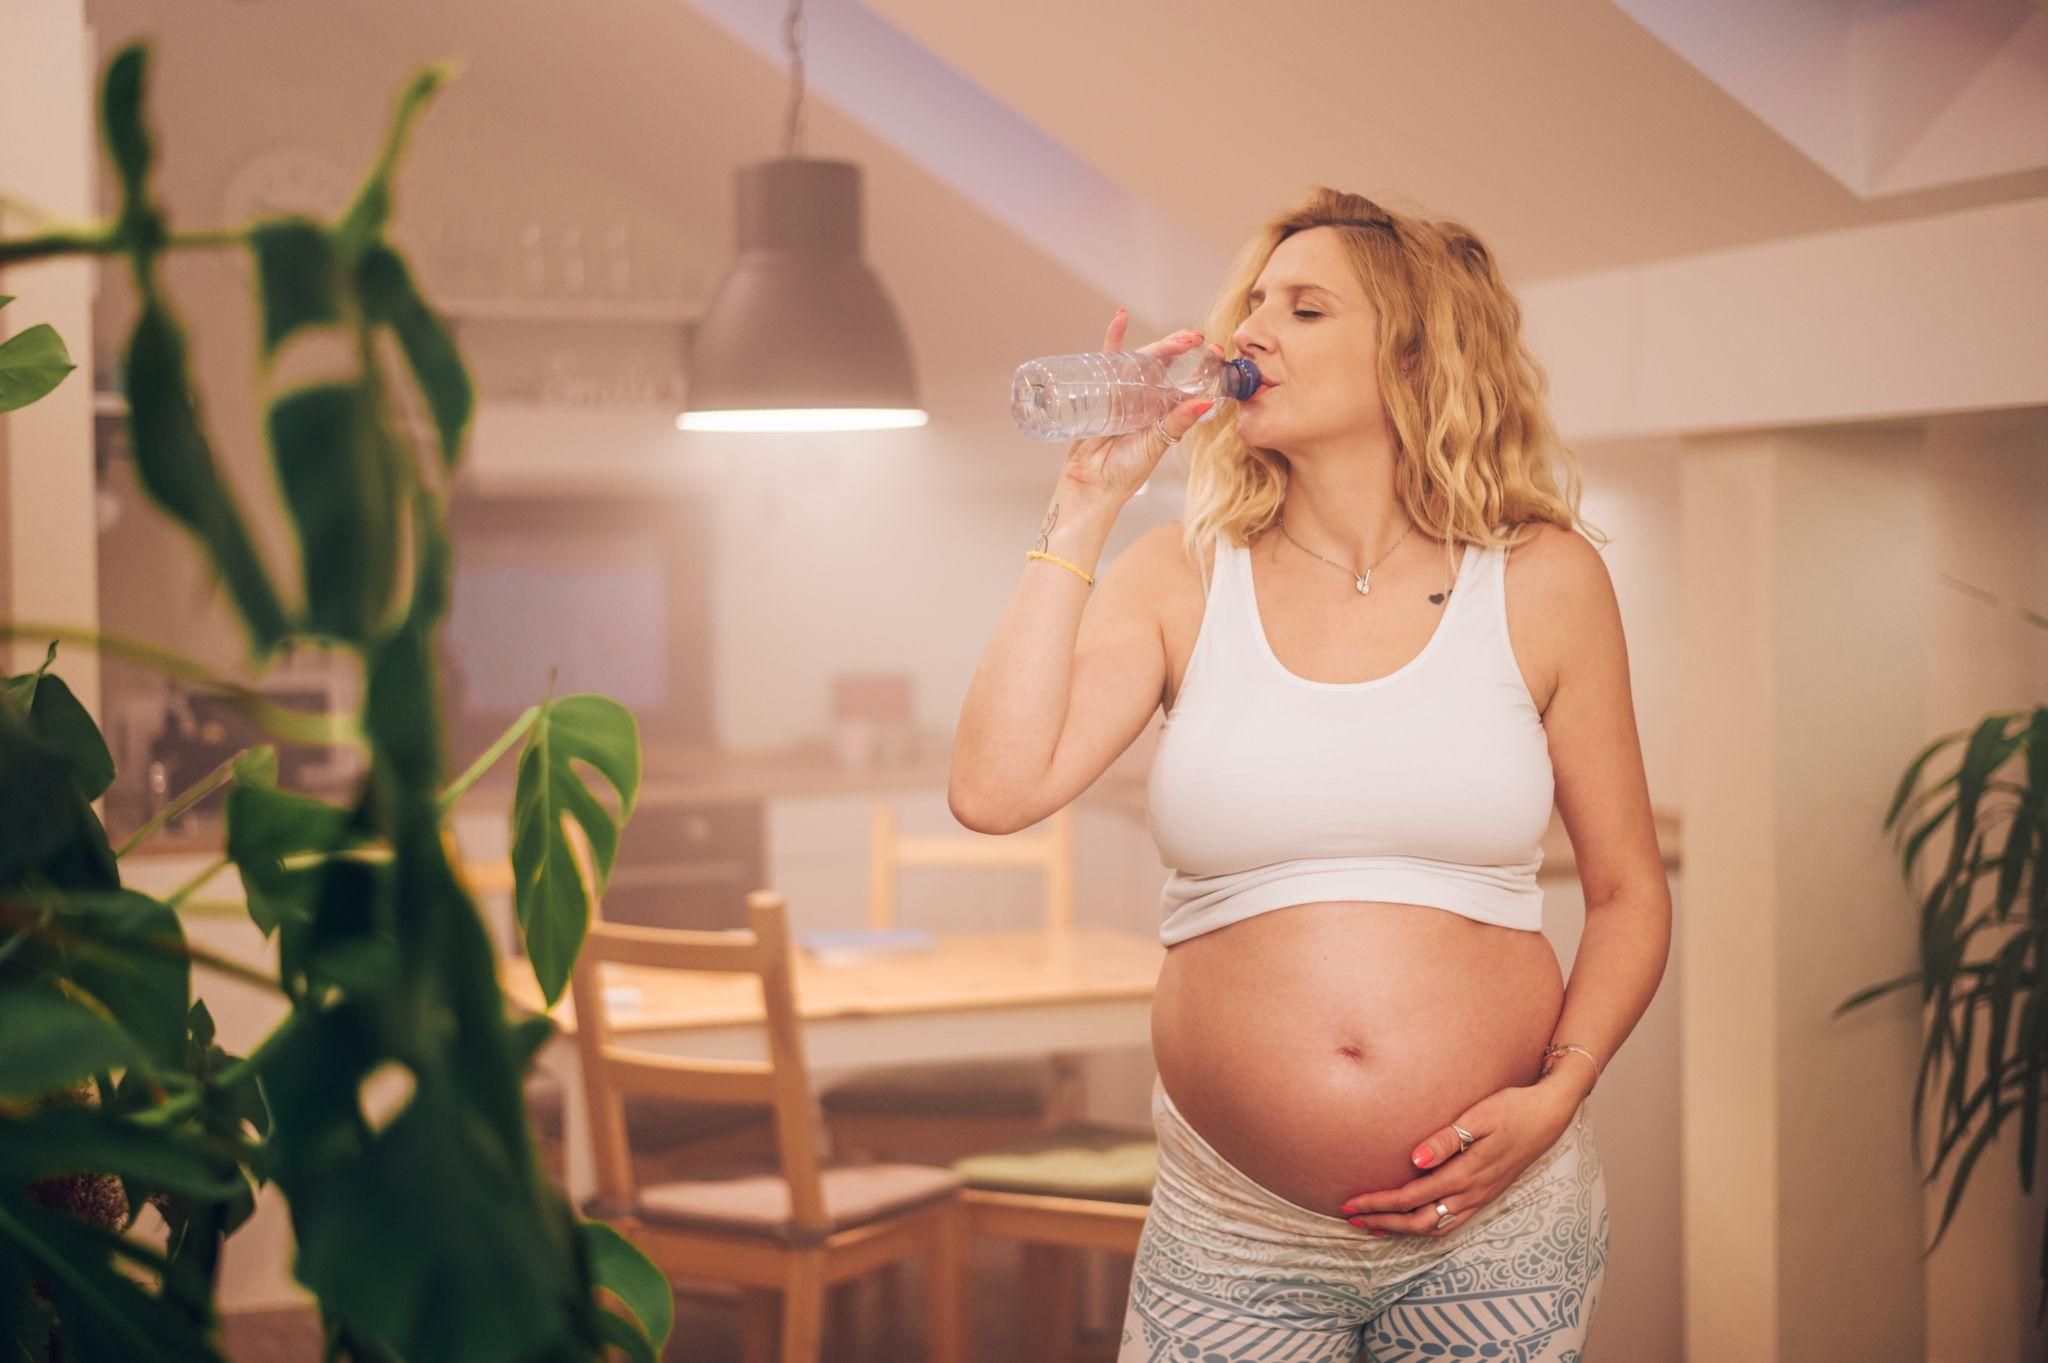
[(1431, 785)]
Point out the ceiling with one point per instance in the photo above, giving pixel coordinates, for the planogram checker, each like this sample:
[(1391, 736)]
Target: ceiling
[(1028, 168), (1577, 135)]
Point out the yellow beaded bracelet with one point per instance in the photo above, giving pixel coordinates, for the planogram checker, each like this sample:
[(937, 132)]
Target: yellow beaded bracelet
[(1039, 553)]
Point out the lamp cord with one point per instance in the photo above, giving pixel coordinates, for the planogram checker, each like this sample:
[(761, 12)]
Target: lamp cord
[(791, 129)]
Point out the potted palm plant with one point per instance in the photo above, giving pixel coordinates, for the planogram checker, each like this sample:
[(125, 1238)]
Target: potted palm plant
[(1983, 933)]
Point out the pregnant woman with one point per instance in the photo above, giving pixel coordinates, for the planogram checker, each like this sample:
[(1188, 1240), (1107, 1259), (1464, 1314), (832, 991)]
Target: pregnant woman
[(1372, 1116)]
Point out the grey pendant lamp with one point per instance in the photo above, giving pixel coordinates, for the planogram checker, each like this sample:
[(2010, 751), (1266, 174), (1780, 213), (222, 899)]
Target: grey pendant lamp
[(800, 336)]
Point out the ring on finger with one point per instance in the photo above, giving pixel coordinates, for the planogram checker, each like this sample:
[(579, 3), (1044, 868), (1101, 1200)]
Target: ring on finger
[(1465, 1138), (1444, 1216)]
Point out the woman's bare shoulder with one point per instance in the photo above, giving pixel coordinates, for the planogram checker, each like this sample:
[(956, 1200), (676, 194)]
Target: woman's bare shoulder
[(1172, 573)]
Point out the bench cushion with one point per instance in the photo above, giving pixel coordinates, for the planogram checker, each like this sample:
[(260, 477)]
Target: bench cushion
[(1107, 1161)]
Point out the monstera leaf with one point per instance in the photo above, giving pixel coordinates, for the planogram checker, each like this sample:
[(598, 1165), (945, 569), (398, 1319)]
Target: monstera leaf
[(548, 893), (626, 1273)]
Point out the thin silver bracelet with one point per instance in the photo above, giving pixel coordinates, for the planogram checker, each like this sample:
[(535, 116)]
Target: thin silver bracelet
[(1552, 1052)]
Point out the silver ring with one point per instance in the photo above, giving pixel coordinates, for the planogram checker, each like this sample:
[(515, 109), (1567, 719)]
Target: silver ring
[(1465, 1138), (1160, 426), (1444, 1216)]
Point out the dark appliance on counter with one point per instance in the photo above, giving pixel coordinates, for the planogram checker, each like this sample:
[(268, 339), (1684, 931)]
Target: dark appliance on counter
[(611, 594), (201, 730)]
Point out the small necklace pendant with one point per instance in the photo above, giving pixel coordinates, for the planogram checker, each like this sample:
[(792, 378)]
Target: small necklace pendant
[(1365, 582)]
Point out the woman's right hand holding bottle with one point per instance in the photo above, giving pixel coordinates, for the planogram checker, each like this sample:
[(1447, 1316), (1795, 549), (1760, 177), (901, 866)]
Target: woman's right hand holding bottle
[(1114, 467)]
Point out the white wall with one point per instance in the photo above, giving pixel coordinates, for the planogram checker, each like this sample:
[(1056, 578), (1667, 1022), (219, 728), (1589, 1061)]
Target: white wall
[(47, 568)]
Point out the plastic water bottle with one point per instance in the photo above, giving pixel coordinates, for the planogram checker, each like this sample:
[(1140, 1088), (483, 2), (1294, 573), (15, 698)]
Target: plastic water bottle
[(1108, 392)]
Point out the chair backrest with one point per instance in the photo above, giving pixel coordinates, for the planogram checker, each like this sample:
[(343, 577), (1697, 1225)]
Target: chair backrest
[(611, 1069), (486, 881), (889, 849)]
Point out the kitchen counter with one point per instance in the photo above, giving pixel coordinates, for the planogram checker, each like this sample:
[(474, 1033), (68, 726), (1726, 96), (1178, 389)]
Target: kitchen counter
[(681, 775)]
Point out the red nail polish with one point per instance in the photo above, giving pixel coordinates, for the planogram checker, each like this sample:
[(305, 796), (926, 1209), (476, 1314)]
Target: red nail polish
[(1357, 1221), (1422, 1155)]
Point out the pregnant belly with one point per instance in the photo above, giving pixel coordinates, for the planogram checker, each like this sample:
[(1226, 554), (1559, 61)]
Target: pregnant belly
[(1315, 1046)]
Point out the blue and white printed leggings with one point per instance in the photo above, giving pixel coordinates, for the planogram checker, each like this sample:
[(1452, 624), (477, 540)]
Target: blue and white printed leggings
[(1228, 1271)]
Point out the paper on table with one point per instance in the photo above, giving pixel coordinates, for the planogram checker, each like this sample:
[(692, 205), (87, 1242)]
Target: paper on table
[(852, 946), (859, 943)]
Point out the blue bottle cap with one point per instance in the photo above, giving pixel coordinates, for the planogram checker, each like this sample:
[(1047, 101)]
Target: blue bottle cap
[(1240, 378)]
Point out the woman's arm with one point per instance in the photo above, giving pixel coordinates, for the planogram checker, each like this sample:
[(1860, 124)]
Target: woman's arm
[(1603, 799)]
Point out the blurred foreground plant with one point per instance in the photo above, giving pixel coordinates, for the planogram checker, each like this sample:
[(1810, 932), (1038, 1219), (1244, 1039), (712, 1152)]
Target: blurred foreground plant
[(430, 1234)]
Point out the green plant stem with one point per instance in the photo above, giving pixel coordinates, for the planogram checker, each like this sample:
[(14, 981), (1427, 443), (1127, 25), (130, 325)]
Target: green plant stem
[(253, 1155), (233, 1074), (234, 909), (294, 726), (165, 1113), (228, 966), (181, 898), (192, 795), (107, 241), (13, 944), (462, 783), (89, 241), (177, 897), (213, 240)]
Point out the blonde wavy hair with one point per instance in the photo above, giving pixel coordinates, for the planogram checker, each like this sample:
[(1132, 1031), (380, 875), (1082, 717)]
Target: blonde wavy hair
[(1476, 446)]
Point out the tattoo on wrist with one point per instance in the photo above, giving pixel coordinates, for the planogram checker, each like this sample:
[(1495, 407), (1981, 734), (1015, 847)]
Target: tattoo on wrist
[(1052, 515)]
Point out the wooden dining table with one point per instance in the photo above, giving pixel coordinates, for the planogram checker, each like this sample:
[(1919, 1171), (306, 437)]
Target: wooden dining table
[(978, 995)]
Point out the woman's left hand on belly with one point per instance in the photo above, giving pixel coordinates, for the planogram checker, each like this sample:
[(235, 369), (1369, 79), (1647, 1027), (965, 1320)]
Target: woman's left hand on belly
[(1510, 1128)]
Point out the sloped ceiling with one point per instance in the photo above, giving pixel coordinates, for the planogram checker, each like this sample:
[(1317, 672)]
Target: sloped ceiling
[(1885, 96), (1030, 165), (1576, 135)]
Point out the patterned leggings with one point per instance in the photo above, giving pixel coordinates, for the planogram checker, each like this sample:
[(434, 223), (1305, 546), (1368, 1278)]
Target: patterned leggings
[(1228, 1270)]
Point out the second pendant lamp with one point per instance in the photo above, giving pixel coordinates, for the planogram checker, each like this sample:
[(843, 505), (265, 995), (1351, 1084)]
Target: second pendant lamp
[(800, 335)]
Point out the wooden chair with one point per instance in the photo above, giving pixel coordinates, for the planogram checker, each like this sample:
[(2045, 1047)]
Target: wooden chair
[(788, 1231), (665, 1136), (1083, 1186), (944, 1111)]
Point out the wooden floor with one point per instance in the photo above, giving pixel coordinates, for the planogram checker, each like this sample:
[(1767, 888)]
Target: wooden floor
[(707, 1325)]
